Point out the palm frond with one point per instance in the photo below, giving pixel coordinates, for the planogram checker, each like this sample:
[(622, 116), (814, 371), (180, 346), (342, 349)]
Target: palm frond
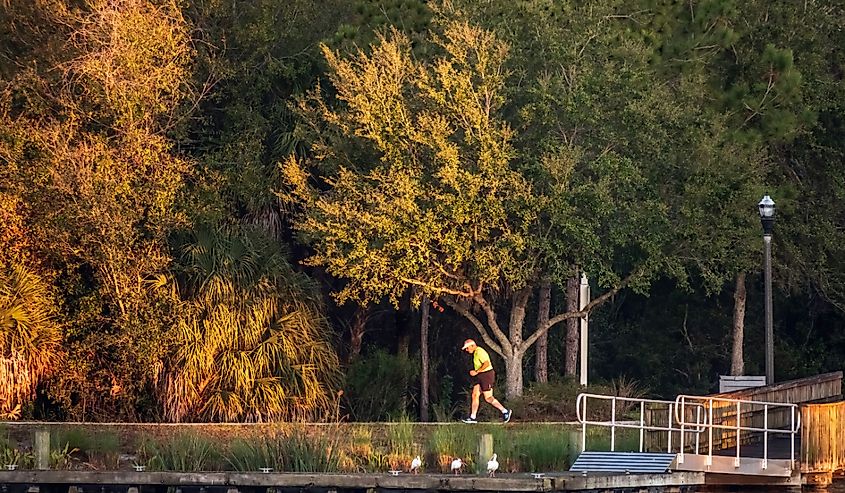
[(30, 337), (253, 341)]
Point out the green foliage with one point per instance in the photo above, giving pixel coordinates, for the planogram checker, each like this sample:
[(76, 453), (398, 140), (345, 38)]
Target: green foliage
[(61, 458), (390, 398), (13, 456), (252, 341), (400, 436), (540, 451), (296, 450), (189, 452), (449, 441), (251, 455), (253, 58), (552, 401), (468, 150), (90, 442), (30, 337), (300, 452), (444, 408)]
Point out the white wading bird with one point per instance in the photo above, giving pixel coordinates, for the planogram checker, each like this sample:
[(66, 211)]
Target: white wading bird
[(456, 465), (492, 466), (416, 464)]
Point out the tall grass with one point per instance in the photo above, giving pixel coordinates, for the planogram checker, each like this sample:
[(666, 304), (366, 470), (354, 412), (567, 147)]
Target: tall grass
[(627, 439), (300, 452), (102, 444), (251, 455), (449, 441), (400, 436), (183, 452), (544, 450)]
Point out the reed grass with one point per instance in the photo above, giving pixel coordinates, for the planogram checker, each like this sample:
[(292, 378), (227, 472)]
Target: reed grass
[(184, 452), (337, 448), (400, 436), (300, 452), (251, 455), (544, 450)]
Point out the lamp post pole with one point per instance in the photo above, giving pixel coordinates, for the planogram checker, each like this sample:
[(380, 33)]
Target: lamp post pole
[(767, 219), (583, 299)]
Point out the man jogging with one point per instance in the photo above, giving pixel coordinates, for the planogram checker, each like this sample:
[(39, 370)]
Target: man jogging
[(483, 378)]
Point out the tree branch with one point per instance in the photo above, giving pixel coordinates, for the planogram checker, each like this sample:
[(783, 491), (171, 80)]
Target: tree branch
[(494, 324), (582, 313), (439, 289), (477, 323)]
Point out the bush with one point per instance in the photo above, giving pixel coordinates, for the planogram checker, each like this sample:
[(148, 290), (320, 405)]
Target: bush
[(555, 400), (380, 386)]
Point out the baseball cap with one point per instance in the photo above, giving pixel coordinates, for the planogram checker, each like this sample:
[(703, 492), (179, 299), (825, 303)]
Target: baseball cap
[(468, 343)]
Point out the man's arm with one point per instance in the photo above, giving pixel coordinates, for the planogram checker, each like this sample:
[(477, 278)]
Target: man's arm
[(481, 368)]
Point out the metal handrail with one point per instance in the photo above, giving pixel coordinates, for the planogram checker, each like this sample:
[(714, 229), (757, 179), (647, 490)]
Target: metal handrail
[(581, 413), (707, 403)]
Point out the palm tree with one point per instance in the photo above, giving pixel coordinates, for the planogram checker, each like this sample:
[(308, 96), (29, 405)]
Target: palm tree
[(30, 337), (252, 341)]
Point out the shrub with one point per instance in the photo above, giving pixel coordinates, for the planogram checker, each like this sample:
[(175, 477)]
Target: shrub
[(380, 385)]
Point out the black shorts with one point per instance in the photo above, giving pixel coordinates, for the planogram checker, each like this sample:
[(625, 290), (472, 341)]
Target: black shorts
[(485, 379)]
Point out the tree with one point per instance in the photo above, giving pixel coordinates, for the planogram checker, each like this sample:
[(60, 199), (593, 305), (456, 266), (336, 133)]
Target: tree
[(30, 337), (88, 132), (418, 178), (252, 343)]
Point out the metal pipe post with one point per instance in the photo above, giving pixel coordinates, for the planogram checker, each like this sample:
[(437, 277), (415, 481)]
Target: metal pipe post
[(767, 268)]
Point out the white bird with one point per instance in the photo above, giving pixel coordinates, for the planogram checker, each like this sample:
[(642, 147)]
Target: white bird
[(456, 465), (416, 464), (492, 466)]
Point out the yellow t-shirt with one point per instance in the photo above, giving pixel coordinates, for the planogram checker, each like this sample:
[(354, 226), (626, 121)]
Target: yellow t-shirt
[(479, 356)]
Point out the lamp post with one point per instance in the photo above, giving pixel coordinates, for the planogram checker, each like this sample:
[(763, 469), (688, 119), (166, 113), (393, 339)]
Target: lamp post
[(583, 299), (767, 219)]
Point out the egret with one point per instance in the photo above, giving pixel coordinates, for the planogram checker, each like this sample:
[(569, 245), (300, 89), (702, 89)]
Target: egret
[(492, 466), (416, 464), (456, 465)]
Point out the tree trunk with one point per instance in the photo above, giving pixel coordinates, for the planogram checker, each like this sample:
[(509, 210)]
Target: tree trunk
[(541, 365), (356, 333), (737, 361), (512, 347), (403, 325), (513, 358), (424, 357), (513, 380), (571, 359)]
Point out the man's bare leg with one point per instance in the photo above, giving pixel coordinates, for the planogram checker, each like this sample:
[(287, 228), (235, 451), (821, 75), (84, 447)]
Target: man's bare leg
[(488, 396), (476, 394)]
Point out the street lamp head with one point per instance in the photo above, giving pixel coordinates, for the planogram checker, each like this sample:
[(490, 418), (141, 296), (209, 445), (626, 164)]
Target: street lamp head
[(767, 207), (767, 214)]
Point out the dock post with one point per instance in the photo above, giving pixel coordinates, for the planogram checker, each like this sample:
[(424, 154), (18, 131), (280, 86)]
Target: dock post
[(574, 449), (42, 449), (485, 452)]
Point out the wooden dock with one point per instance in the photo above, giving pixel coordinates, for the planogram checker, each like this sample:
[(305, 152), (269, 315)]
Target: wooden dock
[(231, 482)]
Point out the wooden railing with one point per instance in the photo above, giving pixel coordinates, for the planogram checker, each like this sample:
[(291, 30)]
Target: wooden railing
[(797, 391), (823, 437)]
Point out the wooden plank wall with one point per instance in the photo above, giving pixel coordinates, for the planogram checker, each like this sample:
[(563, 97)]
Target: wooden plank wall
[(823, 437), (797, 391)]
